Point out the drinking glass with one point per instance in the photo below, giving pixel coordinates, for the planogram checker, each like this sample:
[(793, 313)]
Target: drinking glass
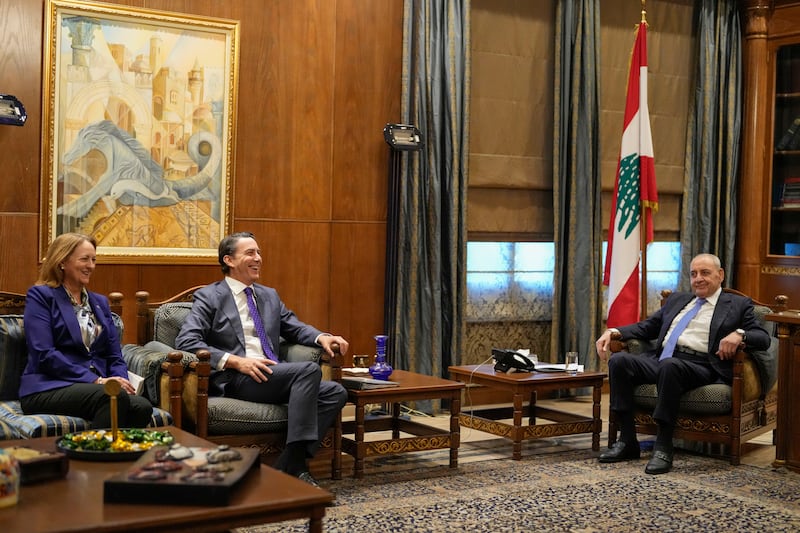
[(571, 362)]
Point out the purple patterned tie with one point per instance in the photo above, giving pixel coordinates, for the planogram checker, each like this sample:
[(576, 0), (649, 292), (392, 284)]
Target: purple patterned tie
[(262, 335), (669, 346)]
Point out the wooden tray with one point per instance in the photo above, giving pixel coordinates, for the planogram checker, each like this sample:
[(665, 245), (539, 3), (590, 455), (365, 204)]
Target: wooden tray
[(185, 485), (37, 465)]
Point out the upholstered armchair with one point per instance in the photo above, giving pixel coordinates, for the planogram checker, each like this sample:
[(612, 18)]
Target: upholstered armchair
[(14, 424), (218, 419), (720, 414)]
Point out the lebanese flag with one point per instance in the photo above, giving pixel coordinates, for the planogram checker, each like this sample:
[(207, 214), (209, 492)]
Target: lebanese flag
[(634, 190)]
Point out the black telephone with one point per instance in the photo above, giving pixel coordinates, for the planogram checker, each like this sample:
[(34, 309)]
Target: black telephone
[(511, 361)]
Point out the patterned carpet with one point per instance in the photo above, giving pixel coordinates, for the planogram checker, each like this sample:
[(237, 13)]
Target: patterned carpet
[(557, 487)]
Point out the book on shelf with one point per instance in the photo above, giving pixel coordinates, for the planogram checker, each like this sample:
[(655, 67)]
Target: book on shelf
[(790, 140), (790, 192)]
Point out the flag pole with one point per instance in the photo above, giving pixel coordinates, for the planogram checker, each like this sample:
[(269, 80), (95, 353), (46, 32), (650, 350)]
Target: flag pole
[(625, 268), (643, 234)]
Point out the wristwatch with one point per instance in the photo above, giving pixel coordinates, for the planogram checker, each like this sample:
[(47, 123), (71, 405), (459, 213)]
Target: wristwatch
[(741, 332)]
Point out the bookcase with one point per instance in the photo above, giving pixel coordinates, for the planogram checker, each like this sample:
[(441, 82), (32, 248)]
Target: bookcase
[(767, 259), (784, 228)]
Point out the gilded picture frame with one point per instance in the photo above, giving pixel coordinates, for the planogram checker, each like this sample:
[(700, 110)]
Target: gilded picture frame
[(138, 127)]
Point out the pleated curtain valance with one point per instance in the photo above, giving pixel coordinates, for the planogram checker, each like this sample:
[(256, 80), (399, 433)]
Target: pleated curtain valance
[(510, 193)]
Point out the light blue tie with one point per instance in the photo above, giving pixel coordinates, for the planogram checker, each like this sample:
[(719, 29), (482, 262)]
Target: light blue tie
[(669, 347)]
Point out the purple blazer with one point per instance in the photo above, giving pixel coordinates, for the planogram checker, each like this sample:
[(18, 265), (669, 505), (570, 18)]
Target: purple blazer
[(57, 356)]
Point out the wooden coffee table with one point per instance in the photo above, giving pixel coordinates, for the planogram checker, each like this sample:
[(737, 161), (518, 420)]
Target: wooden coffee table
[(525, 386), (75, 503), (412, 386)]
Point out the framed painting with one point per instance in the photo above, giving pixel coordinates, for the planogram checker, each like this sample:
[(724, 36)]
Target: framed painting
[(138, 130)]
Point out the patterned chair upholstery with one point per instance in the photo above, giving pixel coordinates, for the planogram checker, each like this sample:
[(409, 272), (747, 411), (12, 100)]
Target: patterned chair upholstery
[(727, 415), (14, 424), (218, 419)]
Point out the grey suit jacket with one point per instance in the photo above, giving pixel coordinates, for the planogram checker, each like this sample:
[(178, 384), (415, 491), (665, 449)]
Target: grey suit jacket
[(731, 312), (214, 323)]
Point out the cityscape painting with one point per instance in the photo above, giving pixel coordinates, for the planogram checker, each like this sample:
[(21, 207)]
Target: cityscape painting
[(138, 125)]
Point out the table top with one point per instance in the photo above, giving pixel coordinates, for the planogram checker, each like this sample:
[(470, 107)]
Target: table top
[(75, 503), (410, 382), (487, 372)]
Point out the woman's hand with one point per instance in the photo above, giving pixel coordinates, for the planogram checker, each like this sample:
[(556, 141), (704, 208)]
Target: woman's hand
[(124, 383)]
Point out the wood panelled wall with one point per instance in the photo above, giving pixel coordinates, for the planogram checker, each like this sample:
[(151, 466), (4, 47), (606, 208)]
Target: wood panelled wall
[(318, 80)]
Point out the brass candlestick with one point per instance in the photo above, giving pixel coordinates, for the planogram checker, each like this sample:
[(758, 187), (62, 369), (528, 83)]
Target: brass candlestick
[(113, 388)]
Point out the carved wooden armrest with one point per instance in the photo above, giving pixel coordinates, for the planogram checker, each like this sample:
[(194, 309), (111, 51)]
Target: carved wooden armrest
[(195, 393), (336, 362), (617, 344), (172, 385)]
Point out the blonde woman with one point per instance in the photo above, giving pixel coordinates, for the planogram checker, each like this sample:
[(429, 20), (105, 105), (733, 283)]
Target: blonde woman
[(73, 345)]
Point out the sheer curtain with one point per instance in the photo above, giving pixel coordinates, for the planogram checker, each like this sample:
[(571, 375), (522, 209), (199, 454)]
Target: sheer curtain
[(577, 312), (431, 286), (709, 205)]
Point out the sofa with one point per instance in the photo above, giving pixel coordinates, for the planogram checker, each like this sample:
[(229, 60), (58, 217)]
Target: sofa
[(14, 424)]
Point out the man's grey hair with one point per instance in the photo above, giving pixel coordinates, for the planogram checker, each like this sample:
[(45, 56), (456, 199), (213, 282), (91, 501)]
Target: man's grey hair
[(713, 258)]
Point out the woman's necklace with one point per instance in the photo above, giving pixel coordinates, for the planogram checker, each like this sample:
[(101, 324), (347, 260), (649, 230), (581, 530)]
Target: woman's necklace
[(77, 302)]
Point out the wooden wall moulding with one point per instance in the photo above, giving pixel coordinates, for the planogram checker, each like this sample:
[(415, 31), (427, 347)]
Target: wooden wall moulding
[(138, 130), (778, 270)]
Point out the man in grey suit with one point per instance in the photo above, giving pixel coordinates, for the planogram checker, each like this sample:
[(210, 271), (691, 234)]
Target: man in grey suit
[(691, 352), (243, 368)]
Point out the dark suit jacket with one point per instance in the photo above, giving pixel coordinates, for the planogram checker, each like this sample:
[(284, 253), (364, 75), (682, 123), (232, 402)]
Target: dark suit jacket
[(731, 312), (214, 324), (57, 356)]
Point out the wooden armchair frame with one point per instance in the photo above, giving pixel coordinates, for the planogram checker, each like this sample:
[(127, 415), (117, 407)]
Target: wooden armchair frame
[(173, 367), (746, 420)]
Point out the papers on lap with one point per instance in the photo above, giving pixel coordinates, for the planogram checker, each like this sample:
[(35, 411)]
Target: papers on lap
[(137, 381)]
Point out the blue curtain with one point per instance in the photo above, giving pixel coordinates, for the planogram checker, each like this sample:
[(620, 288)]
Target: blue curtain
[(708, 222), (577, 308), (431, 255)]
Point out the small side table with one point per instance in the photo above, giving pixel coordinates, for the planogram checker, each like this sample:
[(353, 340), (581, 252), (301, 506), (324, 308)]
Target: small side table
[(525, 386), (412, 386)]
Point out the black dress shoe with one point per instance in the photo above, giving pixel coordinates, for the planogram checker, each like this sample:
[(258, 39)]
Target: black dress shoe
[(620, 451), (308, 478), (660, 463)]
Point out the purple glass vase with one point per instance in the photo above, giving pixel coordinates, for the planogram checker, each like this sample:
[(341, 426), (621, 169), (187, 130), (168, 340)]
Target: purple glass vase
[(381, 369)]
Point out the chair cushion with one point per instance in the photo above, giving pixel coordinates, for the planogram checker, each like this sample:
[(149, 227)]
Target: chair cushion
[(167, 321), (7, 431), (712, 399), (160, 418), (766, 360), (294, 353), (13, 355), (229, 416), (146, 361)]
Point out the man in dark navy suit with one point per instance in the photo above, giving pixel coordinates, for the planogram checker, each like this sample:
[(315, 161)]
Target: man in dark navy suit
[(243, 351), (697, 335)]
